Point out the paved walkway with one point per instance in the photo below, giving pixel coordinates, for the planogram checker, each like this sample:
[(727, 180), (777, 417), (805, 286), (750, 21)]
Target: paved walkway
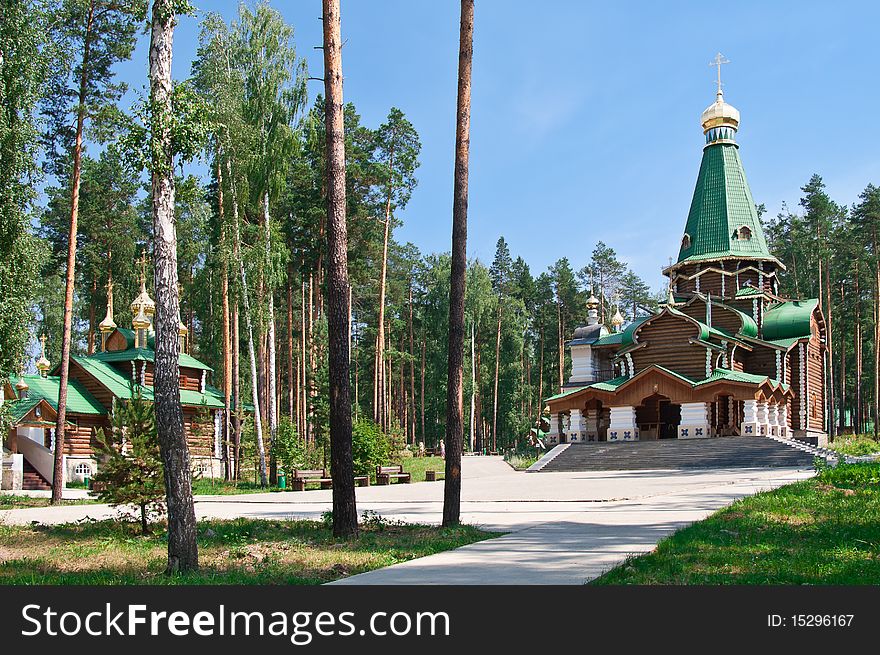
[(564, 528)]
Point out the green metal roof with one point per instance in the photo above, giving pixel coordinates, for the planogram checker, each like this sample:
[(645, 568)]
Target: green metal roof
[(722, 203), (147, 355), (748, 292), (122, 387), (609, 385), (563, 394), (738, 376), (79, 400), (789, 319)]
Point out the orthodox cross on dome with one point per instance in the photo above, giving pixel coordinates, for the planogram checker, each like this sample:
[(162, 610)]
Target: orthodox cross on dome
[(717, 62), (143, 266)]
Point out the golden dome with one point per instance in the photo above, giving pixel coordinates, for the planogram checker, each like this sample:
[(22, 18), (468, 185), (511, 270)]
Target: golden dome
[(183, 331), (21, 385), (140, 322), (43, 364), (617, 319), (719, 114), (143, 301)]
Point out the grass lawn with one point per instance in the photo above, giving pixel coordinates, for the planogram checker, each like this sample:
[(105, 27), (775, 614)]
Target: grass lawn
[(521, 462), (855, 445), (242, 551), (418, 465), (825, 530), (13, 501)]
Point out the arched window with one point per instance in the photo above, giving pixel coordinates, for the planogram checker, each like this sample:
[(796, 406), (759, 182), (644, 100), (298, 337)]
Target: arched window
[(745, 233), (686, 241), (83, 469)]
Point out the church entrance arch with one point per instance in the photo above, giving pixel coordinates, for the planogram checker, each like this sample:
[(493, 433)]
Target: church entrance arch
[(658, 418)]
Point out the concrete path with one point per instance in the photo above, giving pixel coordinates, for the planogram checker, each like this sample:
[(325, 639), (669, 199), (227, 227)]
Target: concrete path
[(564, 528)]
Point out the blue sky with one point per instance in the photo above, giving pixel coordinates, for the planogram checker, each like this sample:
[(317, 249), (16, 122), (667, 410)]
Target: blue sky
[(585, 115)]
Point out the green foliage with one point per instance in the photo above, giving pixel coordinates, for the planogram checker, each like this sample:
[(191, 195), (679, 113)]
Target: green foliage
[(370, 447), (130, 470), (291, 451), (24, 64), (852, 476), (856, 445)]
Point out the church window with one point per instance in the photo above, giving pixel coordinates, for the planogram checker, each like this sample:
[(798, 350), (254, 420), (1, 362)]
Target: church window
[(744, 233), (686, 241), (83, 469)]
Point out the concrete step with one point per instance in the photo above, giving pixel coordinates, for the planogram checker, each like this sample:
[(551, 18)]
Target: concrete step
[(720, 452)]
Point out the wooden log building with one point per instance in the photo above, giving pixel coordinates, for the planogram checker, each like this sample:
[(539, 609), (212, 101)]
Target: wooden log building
[(123, 367), (725, 355)]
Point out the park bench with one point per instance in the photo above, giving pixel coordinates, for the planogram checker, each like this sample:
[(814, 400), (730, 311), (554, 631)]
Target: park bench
[(384, 474), (301, 477)]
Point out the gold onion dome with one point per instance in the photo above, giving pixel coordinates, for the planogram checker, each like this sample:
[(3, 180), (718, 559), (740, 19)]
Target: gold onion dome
[(182, 330), (719, 114), (592, 301), (108, 324), (143, 301), (617, 319), (140, 322), (21, 385), (43, 364)]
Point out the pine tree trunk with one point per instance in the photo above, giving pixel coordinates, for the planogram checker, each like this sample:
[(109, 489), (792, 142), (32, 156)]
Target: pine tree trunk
[(857, 346), (412, 373), (182, 548), (458, 273), (541, 377), (345, 519), (92, 319), (290, 372), (472, 422), (832, 405), (422, 391), (236, 394), (876, 343), (842, 398), (70, 279), (497, 368), (560, 342)]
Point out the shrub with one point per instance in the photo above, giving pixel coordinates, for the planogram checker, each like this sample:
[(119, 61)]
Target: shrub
[(370, 447), (291, 451), (131, 471)]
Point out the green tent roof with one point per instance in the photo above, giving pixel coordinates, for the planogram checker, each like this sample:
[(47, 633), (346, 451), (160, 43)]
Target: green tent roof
[(722, 203), (79, 400), (788, 320)]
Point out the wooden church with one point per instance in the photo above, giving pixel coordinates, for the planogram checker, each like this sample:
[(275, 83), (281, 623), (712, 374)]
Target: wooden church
[(725, 355), (122, 368)]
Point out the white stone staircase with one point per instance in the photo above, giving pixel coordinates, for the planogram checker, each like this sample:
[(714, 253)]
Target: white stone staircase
[(827, 454)]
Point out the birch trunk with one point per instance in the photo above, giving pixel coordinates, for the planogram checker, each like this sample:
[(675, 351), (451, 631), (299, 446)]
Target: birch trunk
[(258, 422), (182, 548)]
